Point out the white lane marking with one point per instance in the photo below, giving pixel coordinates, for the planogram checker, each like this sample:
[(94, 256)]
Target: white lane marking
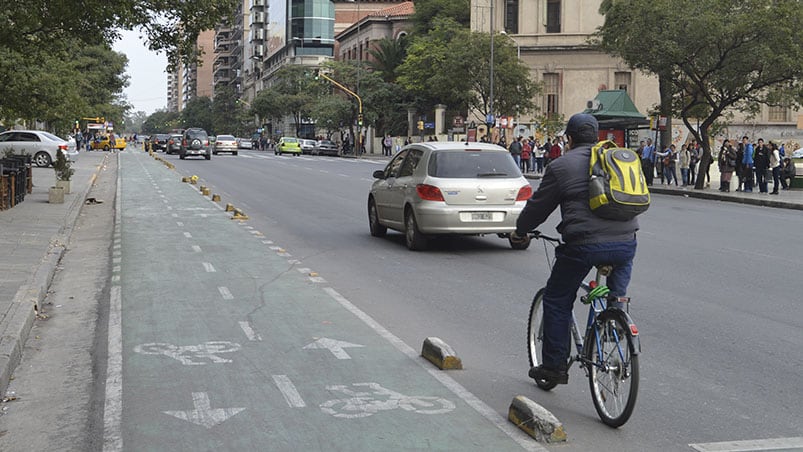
[(247, 226), (479, 406), (204, 414), (225, 293), (179, 223), (117, 253), (293, 261), (750, 445), (116, 268), (317, 279), (191, 355), (275, 248), (174, 215), (303, 270), (113, 405), (333, 345), (169, 208), (289, 391), (249, 331), (116, 278), (116, 246), (188, 235), (208, 267), (116, 260), (283, 254), (196, 248), (343, 175), (267, 242)]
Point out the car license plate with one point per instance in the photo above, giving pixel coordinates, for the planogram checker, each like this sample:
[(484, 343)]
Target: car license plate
[(482, 216)]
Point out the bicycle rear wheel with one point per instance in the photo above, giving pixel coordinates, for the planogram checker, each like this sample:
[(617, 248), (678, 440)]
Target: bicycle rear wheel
[(613, 373), (535, 337)]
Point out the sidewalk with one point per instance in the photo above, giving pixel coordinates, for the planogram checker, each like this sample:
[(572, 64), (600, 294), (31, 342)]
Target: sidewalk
[(33, 237)]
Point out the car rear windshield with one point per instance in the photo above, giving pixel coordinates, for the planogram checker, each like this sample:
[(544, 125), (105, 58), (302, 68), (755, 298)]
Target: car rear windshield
[(225, 137), (192, 134), (472, 164), (290, 140)]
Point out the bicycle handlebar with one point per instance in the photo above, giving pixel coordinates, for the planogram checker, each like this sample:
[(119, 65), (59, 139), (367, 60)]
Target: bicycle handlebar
[(538, 235)]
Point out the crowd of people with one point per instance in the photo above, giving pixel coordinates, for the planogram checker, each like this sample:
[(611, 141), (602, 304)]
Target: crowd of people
[(532, 156), (753, 164)]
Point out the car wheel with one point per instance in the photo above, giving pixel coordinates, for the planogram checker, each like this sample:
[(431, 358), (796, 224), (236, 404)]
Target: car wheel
[(413, 237), (106, 148), (182, 156), (42, 159), (208, 156), (377, 229), (215, 152), (234, 153)]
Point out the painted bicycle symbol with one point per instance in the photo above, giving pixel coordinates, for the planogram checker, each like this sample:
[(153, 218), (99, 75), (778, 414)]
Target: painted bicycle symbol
[(191, 355), (363, 404)]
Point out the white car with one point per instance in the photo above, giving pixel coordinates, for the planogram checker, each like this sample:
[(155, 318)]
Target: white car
[(307, 146), (798, 154), (435, 188), (40, 145)]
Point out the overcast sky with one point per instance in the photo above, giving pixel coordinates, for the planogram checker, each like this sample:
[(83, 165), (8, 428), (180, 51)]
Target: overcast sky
[(147, 89)]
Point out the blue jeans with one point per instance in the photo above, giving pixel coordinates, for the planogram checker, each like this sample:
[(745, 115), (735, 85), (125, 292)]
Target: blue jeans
[(572, 264), (517, 159), (684, 172)]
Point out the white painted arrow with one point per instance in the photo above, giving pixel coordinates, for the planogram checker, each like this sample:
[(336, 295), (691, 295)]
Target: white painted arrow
[(203, 414), (334, 346)]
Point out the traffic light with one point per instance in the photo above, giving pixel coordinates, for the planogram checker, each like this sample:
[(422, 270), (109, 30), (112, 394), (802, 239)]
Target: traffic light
[(420, 125), (359, 120)]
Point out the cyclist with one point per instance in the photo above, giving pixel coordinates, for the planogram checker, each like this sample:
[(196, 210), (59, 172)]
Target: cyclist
[(588, 241)]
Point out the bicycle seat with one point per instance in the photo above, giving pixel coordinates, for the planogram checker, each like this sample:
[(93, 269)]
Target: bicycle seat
[(604, 269)]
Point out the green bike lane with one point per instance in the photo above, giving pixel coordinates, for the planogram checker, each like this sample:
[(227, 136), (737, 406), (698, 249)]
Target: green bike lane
[(228, 342)]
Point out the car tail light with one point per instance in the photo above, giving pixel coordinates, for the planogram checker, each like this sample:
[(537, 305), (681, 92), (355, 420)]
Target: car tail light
[(429, 192), (63, 147), (525, 193)]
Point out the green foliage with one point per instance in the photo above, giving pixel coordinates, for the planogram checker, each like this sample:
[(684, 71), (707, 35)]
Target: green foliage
[(428, 12), (198, 113), (230, 116), (388, 55), (161, 122), (62, 167), (451, 66), (294, 92), (714, 55)]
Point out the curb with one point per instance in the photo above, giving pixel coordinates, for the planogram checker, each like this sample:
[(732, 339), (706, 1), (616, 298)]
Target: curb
[(440, 354), (536, 420), (702, 194), (25, 305)]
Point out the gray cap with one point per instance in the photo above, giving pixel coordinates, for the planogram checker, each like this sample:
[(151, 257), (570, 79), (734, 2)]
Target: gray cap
[(583, 128)]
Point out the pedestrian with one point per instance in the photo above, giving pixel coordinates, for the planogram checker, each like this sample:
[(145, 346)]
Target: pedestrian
[(694, 159), (684, 159), (515, 150), (761, 163), (727, 161), (589, 240), (79, 140), (555, 151), (538, 151), (775, 166), (668, 158), (648, 161), (526, 154), (747, 165), (387, 145), (788, 172)]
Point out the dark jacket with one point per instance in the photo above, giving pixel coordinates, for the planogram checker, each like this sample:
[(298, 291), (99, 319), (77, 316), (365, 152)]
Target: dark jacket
[(761, 158), (565, 184)]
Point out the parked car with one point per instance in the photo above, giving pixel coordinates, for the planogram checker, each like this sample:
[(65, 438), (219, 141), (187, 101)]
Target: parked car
[(102, 143), (325, 147), (195, 141), (289, 145), (225, 143), (244, 143), (436, 188), (159, 142), (307, 146), (173, 145), (41, 145)]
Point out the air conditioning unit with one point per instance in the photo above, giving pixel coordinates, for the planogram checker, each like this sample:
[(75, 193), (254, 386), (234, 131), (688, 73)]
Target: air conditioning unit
[(594, 105)]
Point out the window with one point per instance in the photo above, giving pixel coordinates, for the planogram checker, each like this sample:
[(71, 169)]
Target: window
[(512, 16), (551, 90), (462, 164), (622, 81), (410, 163), (778, 114), (553, 16), (394, 166)]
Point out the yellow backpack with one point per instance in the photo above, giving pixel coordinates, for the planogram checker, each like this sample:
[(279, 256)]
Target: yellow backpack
[(617, 188)]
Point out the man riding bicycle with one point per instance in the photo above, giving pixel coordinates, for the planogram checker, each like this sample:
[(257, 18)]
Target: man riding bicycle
[(589, 240)]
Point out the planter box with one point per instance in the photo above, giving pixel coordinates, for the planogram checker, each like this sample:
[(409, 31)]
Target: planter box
[(65, 184), (55, 195)]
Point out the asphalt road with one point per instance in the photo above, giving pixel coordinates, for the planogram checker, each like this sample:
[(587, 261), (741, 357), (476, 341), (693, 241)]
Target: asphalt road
[(715, 296)]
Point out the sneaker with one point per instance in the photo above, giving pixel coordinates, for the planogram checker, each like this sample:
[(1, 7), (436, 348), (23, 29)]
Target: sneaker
[(560, 377)]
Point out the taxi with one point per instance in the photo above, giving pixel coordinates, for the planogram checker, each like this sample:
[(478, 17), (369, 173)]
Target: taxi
[(103, 143)]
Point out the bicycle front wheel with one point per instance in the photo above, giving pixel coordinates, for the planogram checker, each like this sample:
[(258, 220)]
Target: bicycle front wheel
[(535, 337), (613, 374)]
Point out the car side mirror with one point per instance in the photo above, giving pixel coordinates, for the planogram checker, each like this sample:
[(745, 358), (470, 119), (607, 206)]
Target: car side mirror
[(379, 174)]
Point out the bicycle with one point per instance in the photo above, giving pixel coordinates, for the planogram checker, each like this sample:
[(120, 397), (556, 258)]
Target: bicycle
[(609, 353)]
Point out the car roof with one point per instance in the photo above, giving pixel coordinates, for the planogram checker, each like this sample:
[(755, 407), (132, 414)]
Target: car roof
[(458, 146)]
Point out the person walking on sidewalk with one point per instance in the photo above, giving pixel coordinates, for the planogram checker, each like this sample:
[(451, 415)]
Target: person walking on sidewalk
[(648, 161), (775, 166), (668, 159), (747, 164), (684, 158), (761, 162), (515, 150), (727, 164)]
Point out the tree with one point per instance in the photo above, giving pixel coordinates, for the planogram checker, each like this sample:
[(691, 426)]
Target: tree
[(451, 66), (229, 115), (161, 121), (388, 55), (198, 113), (293, 94), (428, 12), (714, 56)]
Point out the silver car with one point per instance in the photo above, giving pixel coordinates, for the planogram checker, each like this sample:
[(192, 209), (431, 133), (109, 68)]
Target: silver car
[(307, 146), (437, 188), (225, 143), (40, 145)]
